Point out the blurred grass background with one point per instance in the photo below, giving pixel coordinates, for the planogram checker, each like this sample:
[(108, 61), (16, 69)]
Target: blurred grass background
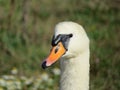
[(26, 28)]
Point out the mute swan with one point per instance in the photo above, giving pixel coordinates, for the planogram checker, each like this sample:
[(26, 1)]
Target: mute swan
[(70, 44)]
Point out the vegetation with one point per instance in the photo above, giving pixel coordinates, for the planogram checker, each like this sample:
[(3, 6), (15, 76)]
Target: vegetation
[(26, 28)]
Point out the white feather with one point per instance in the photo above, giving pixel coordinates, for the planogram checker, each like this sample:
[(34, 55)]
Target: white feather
[(75, 63)]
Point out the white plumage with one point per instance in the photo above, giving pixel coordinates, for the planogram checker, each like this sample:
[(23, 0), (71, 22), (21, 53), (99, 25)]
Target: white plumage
[(74, 64)]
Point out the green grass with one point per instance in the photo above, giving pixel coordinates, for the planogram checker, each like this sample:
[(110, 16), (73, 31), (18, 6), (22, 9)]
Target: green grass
[(24, 43)]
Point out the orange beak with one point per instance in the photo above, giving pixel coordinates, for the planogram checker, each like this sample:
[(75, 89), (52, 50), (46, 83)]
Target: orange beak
[(56, 52)]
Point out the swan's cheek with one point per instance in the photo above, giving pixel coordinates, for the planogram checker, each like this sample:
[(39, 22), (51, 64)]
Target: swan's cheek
[(69, 55)]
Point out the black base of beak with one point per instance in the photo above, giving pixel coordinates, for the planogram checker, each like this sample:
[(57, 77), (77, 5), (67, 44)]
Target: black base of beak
[(44, 65)]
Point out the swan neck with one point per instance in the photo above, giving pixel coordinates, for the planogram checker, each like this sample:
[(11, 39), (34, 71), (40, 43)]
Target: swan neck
[(75, 73)]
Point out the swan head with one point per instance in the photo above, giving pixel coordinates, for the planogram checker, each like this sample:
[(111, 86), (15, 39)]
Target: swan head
[(69, 41)]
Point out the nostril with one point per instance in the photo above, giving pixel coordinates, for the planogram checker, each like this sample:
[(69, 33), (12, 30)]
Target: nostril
[(56, 50), (57, 47), (44, 65)]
